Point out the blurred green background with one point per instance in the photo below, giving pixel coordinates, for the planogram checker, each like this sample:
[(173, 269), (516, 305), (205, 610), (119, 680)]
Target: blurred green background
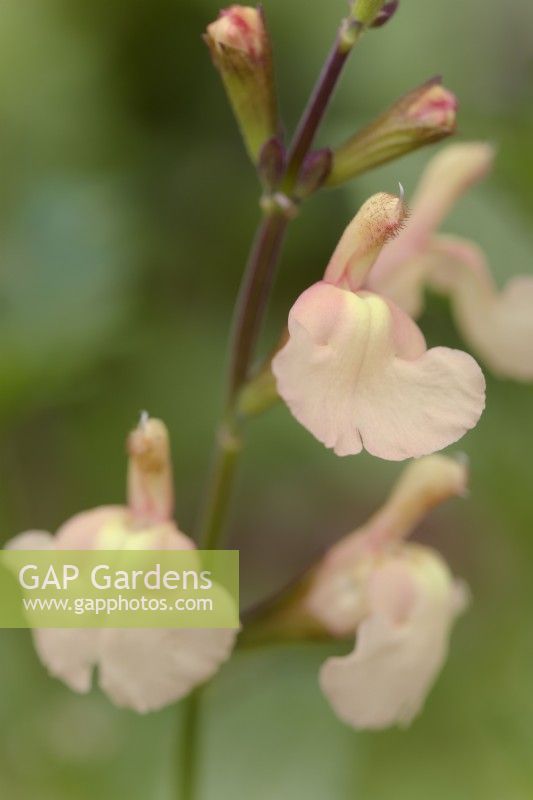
[(126, 208)]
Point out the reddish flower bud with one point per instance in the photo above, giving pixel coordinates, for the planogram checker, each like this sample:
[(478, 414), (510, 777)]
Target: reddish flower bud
[(240, 28), (422, 116), (241, 51)]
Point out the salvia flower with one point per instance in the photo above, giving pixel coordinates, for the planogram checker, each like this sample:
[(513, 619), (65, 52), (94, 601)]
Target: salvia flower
[(356, 371), (424, 115), (497, 324), (241, 50), (399, 598), (142, 669)]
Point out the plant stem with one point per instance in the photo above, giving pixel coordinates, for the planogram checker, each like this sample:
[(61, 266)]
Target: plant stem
[(253, 297), (248, 314), (227, 450), (188, 744), (318, 103)]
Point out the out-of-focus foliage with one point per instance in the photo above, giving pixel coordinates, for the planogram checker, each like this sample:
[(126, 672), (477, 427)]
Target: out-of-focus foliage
[(126, 209)]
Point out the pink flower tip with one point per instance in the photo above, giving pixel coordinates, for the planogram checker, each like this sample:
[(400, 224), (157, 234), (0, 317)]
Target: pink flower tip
[(435, 107), (241, 28)]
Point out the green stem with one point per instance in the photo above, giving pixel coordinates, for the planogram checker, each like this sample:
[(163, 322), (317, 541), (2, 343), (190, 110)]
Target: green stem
[(247, 318), (188, 744), (253, 297), (227, 450)]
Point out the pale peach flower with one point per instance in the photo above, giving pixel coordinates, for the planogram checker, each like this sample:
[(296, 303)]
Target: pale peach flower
[(401, 644), (142, 669), (497, 324), (400, 599), (356, 371)]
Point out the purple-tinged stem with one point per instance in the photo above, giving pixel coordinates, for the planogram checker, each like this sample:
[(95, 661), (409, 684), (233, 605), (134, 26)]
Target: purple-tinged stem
[(316, 107), (252, 300)]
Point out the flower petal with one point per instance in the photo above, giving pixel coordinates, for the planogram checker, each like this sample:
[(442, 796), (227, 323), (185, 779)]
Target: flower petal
[(114, 528), (496, 324), (146, 669), (355, 372), (31, 540), (446, 178), (400, 647), (336, 593), (404, 284), (83, 530), (69, 654)]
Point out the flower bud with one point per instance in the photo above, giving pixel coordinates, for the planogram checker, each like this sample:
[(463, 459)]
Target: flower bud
[(368, 12), (241, 51), (386, 13), (422, 116)]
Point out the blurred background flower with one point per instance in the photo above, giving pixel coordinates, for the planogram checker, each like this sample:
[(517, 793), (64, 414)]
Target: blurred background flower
[(126, 209)]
